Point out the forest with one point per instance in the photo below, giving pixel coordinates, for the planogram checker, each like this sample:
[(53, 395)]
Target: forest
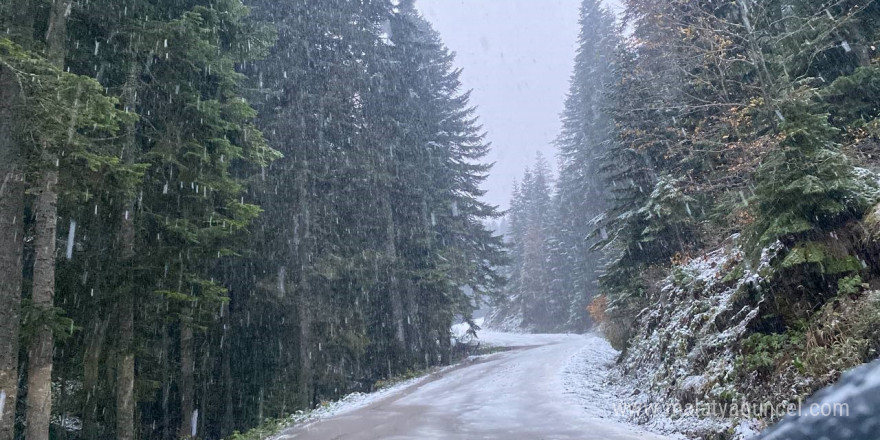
[(215, 213), (716, 203)]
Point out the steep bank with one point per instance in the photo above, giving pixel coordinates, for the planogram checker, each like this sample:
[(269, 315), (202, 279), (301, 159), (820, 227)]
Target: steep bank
[(721, 340)]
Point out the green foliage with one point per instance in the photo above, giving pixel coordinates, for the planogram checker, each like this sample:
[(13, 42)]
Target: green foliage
[(734, 274), (762, 352), (812, 252), (853, 99), (34, 318), (194, 198), (842, 334), (662, 226), (850, 285), (666, 214), (372, 235), (807, 184), (681, 276), (63, 118)]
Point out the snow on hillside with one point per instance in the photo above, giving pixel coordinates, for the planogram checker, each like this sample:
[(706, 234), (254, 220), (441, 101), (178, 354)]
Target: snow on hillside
[(683, 351)]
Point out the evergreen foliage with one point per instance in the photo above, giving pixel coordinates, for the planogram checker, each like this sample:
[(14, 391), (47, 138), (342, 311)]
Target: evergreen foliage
[(555, 267), (580, 190), (728, 118), (221, 213), (528, 299), (344, 239), (807, 185)]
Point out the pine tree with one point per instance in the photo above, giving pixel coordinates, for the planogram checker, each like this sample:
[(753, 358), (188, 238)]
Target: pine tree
[(807, 185), (530, 300), (12, 209), (195, 205), (386, 227), (372, 229), (66, 113), (585, 137), (445, 215), (631, 179), (311, 83), (198, 104)]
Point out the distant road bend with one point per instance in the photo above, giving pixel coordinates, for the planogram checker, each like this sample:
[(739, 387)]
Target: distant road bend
[(512, 395)]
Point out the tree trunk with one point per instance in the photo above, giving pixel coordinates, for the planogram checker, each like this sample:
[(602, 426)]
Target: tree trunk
[(91, 365), (11, 233), (228, 423), (395, 297), (201, 409), (186, 379), (125, 403), (302, 245), (39, 398), (18, 22), (125, 374), (166, 381), (305, 355), (56, 33)]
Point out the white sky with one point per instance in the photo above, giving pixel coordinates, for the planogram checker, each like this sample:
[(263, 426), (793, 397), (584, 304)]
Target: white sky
[(517, 56)]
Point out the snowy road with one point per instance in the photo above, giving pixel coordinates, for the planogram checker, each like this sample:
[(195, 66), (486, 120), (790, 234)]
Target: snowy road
[(518, 394)]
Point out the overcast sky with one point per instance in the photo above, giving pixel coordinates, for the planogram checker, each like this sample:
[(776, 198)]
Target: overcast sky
[(517, 56)]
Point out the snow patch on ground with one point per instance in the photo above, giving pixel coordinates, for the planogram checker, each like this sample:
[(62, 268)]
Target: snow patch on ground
[(684, 348), (353, 401), (494, 338), (506, 317), (459, 332), (586, 379)]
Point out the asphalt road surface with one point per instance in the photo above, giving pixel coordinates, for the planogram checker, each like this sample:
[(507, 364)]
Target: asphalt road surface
[(517, 394)]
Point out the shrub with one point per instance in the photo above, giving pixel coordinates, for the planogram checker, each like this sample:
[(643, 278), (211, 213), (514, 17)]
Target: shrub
[(850, 285), (597, 309)]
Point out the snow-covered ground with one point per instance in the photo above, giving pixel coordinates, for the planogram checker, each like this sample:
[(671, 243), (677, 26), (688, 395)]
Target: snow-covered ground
[(586, 378), (541, 389)]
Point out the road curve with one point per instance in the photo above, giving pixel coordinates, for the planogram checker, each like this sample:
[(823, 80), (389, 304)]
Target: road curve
[(512, 395)]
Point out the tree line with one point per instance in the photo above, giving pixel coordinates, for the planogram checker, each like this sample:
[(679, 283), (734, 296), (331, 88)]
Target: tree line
[(554, 266), (741, 121), (690, 124), (214, 213)]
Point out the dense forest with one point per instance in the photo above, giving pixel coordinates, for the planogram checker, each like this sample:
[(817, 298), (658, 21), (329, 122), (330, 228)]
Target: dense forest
[(554, 267), (214, 213), (716, 199)]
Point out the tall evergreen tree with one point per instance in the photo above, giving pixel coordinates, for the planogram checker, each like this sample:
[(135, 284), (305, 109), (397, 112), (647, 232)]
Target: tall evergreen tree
[(372, 229), (585, 138), (529, 300), (19, 26), (710, 106), (384, 175)]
